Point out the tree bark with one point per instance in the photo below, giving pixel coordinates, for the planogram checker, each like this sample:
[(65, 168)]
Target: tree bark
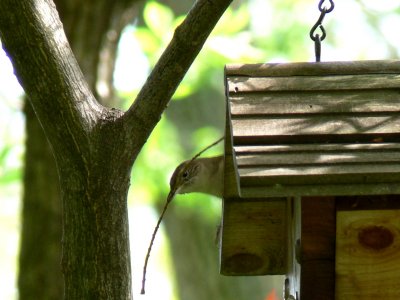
[(40, 274), (40, 255), (94, 147)]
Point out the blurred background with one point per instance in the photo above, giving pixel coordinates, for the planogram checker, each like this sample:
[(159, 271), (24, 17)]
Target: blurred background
[(184, 262)]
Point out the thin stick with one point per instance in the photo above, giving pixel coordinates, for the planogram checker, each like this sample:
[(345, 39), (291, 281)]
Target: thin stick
[(169, 199), (205, 149), (170, 196)]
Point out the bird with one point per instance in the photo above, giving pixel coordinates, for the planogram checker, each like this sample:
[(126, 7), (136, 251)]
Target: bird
[(200, 175), (197, 175)]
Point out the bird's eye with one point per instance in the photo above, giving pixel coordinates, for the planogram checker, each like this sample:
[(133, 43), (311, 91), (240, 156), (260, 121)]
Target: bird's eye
[(185, 174)]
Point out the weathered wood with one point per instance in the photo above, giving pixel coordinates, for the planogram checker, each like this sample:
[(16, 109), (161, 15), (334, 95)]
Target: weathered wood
[(368, 202), (317, 248), (317, 148), (314, 189), (367, 254), (308, 129), (316, 174), (321, 68), (320, 125), (313, 126), (310, 102), (313, 83), (315, 158), (293, 273), (254, 237), (231, 181)]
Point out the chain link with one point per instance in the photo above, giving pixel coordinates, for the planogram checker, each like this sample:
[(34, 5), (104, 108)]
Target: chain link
[(316, 37)]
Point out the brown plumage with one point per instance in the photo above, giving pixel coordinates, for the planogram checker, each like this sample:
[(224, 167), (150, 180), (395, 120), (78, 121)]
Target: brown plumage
[(202, 175)]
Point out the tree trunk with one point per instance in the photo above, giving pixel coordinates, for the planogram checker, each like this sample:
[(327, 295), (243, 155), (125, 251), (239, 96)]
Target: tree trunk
[(96, 261), (40, 254), (40, 274), (95, 147)]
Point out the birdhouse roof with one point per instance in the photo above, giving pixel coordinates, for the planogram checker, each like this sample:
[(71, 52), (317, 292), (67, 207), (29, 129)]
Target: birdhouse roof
[(313, 129)]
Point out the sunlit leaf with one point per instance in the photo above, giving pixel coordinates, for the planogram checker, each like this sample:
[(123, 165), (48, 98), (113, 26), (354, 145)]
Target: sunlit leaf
[(159, 18), (184, 90), (149, 43), (3, 153), (10, 176), (233, 21), (178, 21)]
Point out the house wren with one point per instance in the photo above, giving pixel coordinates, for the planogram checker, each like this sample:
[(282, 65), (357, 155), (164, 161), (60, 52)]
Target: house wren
[(197, 175), (202, 175)]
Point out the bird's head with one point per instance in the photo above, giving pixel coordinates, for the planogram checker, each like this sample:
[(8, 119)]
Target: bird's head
[(185, 176)]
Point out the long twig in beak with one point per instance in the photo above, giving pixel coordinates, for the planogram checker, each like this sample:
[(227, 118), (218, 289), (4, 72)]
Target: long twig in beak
[(169, 199)]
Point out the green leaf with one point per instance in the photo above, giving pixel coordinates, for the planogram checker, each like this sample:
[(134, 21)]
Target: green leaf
[(184, 90), (10, 176), (233, 21), (3, 153), (159, 18), (149, 43)]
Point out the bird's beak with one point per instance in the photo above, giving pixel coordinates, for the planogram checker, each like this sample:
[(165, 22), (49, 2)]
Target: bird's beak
[(171, 195)]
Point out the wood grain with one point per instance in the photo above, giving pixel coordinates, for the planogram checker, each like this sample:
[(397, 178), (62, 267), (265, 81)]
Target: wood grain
[(313, 83), (320, 125), (317, 248), (277, 190), (367, 254), (315, 158), (316, 148), (310, 102), (321, 68), (231, 176), (254, 237)]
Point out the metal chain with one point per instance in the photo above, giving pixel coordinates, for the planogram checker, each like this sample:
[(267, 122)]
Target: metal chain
[(315, 36)]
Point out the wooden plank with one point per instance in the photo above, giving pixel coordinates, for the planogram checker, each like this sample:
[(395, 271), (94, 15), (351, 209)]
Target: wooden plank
[(321, 68), (315, 158), (279, 190), (370, 202), (367, 255), (293, 273), (310, 102), (231, 177), (328, 174), (315, 83), (312, 148), (254, 237), (321, 125), (317, 279)]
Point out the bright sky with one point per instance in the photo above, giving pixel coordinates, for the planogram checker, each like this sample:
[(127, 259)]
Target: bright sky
[(347, 23)]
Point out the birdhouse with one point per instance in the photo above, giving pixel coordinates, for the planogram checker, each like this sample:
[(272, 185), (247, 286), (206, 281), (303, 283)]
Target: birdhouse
[(309, 147)]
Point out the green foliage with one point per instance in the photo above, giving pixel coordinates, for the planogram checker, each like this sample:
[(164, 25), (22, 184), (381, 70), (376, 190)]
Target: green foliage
[(159, 19), (8, 174), (228, 42), (156, 160), (233, 40)]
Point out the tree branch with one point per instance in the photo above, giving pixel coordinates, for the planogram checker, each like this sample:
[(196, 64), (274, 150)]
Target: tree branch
[(33, 37), (172, 66)]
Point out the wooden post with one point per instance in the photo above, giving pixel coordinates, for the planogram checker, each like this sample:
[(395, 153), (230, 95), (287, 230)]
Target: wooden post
[(317, 248)]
